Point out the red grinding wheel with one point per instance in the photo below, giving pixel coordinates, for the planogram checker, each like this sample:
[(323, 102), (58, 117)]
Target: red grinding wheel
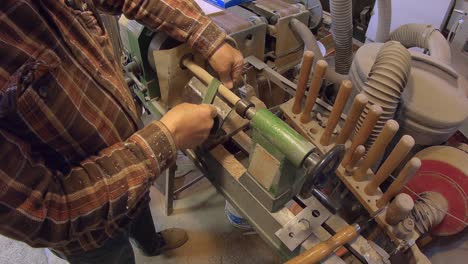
[(444, 170)]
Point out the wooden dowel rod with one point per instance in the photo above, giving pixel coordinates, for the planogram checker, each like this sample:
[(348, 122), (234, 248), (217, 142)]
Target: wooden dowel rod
[(403, 147), (357, 155), (377, 149), (340, 102), (319, 73), (358, 105), (361, 137), (405, 175), (304, 74), (205, 77)]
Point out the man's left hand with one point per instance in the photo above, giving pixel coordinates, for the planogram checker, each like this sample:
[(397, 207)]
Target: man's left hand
[(228, 63)]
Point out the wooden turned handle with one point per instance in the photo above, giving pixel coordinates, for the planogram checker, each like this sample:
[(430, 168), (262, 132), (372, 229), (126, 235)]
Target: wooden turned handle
[(380, 144), (361, 137), (404, 146), (358, 105), (338, 106), (304, 74), (319, 73), (324, 249), (399, 208), (405, 175), (357, 155)]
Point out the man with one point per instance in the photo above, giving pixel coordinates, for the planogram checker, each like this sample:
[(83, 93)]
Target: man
[(75, 171)]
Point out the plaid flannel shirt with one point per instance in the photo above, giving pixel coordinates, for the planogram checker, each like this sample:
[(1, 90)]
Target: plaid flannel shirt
[(74, 167)]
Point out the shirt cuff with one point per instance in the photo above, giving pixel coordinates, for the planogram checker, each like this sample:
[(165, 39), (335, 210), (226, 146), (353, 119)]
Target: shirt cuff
[(207, 38), (158, 146)]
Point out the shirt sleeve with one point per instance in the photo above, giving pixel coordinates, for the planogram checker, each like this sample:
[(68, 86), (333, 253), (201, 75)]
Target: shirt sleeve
[(46, 208), (181, 19)]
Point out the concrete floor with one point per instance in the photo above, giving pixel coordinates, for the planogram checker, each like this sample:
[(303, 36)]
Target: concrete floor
[(200, 210)]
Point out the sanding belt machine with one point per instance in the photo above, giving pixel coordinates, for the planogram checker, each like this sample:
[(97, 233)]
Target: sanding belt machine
[(263, 160)]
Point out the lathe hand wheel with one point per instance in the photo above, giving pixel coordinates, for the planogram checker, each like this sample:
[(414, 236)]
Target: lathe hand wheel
[(324, 168)]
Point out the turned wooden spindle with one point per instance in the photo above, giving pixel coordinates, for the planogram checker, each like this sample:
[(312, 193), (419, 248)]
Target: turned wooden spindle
[(335, 115), (304, 74), (405, 175), (403, 147), (357, 155), (358, 105), (319, 73), (377, 149), (361, 137)]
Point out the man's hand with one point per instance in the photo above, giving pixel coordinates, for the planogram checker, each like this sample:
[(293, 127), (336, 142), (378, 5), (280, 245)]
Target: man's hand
[(228, 63), (190, 124)]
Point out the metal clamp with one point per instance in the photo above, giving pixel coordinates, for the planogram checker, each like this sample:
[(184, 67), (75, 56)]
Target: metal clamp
[(298, 229)]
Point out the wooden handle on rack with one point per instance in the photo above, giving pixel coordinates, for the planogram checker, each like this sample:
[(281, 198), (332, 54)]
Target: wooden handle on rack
[(357, 155), (304, 74), (399, 209), (404, 146), (358, 105), (319, 73), (368, 125), (340, 102), (324, 249), (405, 175), (205, 77), (377, 149)]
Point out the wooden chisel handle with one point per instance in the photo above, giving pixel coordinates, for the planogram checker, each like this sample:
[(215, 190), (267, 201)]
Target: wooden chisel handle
[(324, 249), (383, 139), (405, 175), (358, 153), (340, 102), (403, 147), (361, 137), (319, 73), (358, 105), (304, 74)]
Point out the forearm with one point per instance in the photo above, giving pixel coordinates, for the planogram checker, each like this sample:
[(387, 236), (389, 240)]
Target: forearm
[(181, 19), (46, 208)]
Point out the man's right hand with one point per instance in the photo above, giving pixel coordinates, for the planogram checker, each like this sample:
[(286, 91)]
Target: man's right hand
[(190, 124)]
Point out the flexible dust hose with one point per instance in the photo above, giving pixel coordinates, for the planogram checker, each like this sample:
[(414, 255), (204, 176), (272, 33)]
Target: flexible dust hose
[(384, 20), (342, 28), (426, 37), (429, 211), (310, 43), (387, 80)]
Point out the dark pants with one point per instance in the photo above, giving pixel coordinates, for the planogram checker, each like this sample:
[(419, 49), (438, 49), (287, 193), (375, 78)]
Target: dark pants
[(118, 250)]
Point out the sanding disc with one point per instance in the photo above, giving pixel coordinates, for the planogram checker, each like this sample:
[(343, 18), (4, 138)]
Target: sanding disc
[(444, 170)]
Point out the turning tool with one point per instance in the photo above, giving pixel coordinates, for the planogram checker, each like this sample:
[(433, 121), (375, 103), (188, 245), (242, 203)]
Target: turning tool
[(357, 155), (325, 248), (403, 147), (363, 133), (319, 73), (304, 74), (340, 102), (357, 107), (377, 149), (405, 175)]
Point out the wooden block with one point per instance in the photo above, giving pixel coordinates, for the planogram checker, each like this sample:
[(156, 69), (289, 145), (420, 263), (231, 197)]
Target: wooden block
[(228, 161)]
